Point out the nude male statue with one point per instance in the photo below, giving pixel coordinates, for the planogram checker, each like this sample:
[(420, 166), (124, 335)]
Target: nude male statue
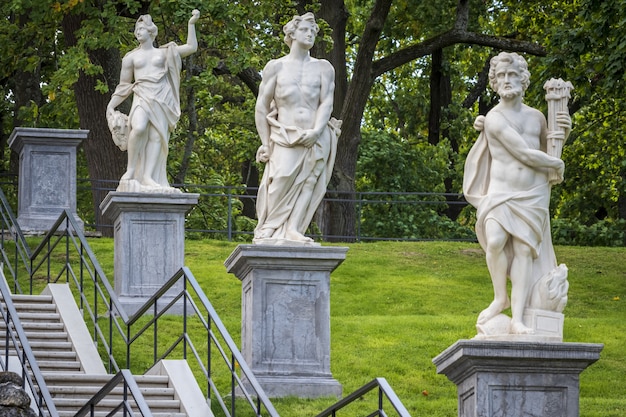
[(152, 76), (506, 179), (298, 136)]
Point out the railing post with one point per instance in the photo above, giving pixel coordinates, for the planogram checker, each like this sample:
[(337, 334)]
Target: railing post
[(230, 216), (358, 218), (67, 251), (17, 260), (155, 341), (232, 384), (208, 359), (184, 316), (48, 263), (82, 277)]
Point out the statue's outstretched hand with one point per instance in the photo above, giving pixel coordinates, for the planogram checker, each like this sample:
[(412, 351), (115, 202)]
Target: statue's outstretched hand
[(195, 15)]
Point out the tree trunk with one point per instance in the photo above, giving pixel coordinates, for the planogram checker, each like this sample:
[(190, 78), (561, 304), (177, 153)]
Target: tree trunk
[(440, 96), (350, 103), (105, 162), (350, 100), (335, 14), (250, 175)]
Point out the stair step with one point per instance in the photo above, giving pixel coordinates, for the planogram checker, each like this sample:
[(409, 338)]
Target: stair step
[(45, 345), (35, 307), (43, 335), (54, 355), (59, 366), (35, 325), (107, 402), (26, 298), (61, 369), (119, 413), (51, 317), (101, 379), (45, 341), (90, 391)]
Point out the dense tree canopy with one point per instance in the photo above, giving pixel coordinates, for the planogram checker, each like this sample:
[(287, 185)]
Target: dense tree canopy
[(410, 77)]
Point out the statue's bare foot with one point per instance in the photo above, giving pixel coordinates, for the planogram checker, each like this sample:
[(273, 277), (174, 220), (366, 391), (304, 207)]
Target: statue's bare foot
[(149, 182), (298, 237), (127, 176), (264, 233), (518, 327), (493, 310)]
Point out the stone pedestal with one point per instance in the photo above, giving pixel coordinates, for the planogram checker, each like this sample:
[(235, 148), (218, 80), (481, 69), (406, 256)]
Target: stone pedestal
[(149, 243), (516, 379), (47, 179), (285, 327)]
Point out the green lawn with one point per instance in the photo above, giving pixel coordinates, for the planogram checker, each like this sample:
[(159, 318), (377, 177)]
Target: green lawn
[(397, 305)]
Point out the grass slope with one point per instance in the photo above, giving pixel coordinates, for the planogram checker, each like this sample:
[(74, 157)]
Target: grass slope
[(397, 305)]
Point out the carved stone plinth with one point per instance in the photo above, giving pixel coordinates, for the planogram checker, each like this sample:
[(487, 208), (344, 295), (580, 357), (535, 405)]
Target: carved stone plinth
[(516, 379), (285, 326), (149, 242), (47, 179)]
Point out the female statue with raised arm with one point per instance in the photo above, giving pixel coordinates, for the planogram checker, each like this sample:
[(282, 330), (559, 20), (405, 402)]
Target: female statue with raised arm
[(152, 76)]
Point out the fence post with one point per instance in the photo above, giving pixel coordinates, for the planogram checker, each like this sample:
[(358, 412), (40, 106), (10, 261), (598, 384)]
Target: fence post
[(230, 216), (358, 217)]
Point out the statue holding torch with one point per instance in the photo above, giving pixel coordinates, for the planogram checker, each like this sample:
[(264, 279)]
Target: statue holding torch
[(557, 96)]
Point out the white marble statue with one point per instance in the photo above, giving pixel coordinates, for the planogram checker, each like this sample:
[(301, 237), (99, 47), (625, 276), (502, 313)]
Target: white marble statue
[(152, 76), (298, 137), (507, 179)]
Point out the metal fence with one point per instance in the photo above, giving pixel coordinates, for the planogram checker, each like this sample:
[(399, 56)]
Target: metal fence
[(227, 212)]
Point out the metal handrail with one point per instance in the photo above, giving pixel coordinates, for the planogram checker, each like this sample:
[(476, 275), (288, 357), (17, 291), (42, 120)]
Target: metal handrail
[(235, 362), (17, 340), (120, 323), (97, 298), (384, 391), (22, 250), (130, 387)]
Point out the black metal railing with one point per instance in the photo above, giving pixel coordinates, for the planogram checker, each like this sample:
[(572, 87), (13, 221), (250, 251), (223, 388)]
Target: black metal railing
[(130, 392), (64, 255), (16, 345), (111, 327), (385, 394), (197, 310), (17, 255), (220, 213)]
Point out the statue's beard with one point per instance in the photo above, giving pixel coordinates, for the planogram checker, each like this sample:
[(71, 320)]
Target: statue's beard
[(511, 93)]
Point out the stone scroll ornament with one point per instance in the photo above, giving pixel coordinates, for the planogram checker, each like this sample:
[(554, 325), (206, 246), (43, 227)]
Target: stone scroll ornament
[(557, 96)]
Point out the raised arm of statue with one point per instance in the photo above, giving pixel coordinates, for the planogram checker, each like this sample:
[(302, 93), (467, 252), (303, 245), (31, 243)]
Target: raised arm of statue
[(192, 41), (151, 76)]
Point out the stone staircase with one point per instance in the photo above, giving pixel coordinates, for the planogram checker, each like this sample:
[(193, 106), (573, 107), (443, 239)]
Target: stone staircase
[(74, 372)]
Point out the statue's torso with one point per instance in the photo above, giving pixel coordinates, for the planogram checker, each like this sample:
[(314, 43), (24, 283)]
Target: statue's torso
[(297, 93)]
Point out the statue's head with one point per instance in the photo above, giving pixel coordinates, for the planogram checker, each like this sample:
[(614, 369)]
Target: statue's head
[(510, 58), (292, 25), (146, 22)]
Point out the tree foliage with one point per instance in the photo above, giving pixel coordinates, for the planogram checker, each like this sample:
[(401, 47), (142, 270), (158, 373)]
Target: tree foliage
[(411, 74)]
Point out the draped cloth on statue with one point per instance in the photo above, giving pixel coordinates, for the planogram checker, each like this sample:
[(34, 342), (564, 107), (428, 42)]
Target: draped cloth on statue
[(523, 214), (158, 96), (288, 170)]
